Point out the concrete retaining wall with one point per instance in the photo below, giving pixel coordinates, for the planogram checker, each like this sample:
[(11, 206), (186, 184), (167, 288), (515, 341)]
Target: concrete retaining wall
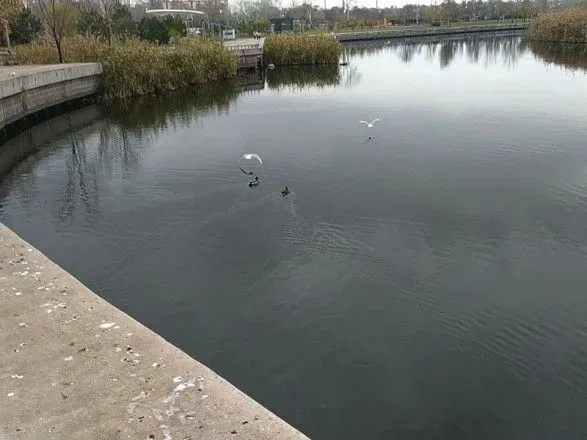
[(425, 32), (75, 367), (30, 140), (248, 58), (248, 52), (25, 90)]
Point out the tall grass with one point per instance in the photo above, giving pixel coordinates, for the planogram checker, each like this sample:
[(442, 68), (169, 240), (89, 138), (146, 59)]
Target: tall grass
[(568, 25), (292, 50), (135, 67)]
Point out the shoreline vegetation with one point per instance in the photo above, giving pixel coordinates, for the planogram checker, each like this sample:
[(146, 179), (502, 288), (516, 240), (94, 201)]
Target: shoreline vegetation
[(138, 68), (134, 68), (566, 55), (301, 50), (568, 25)]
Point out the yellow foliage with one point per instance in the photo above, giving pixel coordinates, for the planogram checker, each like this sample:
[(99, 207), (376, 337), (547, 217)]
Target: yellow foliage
[(568, 25), (9, 10), (289, 50)]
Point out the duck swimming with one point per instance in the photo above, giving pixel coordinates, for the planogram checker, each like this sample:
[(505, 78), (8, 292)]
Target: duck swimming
[(254, 182), (285, 191)]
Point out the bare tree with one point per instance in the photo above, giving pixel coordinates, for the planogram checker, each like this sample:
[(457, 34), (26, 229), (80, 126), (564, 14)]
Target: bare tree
[(8, 12), (107, 9), (58, 18)]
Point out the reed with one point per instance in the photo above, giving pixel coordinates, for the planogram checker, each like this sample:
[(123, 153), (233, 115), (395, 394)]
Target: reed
[(301, 50), (568, 25), (135, 67)]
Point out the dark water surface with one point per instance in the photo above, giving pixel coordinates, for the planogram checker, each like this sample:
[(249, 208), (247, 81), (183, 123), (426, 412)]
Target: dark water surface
[(430, 284)]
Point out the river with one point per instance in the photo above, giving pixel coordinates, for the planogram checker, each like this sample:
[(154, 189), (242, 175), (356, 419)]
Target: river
[(424, 284)]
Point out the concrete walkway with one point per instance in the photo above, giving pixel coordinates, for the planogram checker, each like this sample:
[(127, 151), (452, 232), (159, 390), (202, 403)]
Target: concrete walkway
[(243, 42), (75, 367)]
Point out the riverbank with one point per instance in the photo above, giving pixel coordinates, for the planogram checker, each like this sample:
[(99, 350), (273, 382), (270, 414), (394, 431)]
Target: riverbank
[(74, 366), (134, 67), (410, 32), (30, 93), (568, 25)]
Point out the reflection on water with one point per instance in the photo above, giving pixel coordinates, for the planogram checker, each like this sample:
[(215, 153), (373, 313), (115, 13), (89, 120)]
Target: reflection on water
[(303, 77), (178, 109), (572, 56), (426, 285), (486, 50)]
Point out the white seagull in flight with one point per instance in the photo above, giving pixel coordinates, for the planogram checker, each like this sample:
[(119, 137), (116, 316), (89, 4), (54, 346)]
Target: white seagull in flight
[(370, 124)]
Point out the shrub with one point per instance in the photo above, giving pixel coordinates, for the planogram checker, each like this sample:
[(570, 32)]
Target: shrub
[(568, 25), (290, 50), (135, 67), (25, 28)]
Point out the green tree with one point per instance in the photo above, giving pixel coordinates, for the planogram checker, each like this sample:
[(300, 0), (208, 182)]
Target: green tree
[(25, 28), (91, 22), (154, 30), (175, 27), (123, 25), (107, 23)]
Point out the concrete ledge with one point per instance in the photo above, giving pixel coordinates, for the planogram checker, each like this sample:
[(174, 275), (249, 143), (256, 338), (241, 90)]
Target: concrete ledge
[(425, 31), (75, 367), (34, 88), (31, 139)]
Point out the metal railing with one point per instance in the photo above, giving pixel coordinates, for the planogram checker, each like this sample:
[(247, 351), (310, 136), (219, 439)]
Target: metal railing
[(243, 46)]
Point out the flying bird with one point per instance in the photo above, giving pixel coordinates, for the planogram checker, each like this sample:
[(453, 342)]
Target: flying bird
[(370, 124)]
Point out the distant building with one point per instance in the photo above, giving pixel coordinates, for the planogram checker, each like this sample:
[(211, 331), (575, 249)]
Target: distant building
[(286, 24), (186, 4)]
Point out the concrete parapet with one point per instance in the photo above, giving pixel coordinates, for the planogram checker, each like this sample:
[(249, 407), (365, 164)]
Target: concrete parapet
[(75, 367), (25, 90), (425, 32)]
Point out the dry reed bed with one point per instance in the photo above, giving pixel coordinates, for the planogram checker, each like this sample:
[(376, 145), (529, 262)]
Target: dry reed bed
[(134, 67), (301, 50), (568, 25)]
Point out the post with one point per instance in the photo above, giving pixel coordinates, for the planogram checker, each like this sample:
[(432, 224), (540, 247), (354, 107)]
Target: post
[(7, 33)]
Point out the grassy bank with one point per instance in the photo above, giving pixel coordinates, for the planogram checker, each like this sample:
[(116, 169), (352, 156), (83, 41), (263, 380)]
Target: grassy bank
[(568, 25), (301, 50), (135, 67)]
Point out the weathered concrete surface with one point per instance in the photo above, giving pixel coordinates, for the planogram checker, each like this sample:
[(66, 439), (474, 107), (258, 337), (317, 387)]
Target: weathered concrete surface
[(28, 89), (13, 150), (75, 367), (425, 31), (245, 42), (7, 58), (249, 52)]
